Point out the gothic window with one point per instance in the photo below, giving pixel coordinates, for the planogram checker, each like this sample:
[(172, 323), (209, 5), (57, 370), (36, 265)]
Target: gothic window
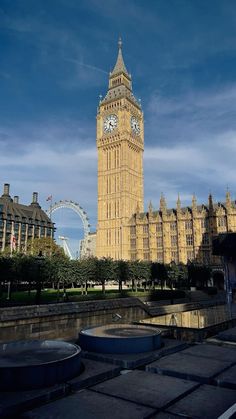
[(133, 243), (221, 221), (205, 239), (173, 240), (188, 225), (133, 230), (146, 256), (145, 242), (133, 256), (204, 223), (159, 242), (189, 239), (190, 255), (159, 227), (117, 157), (206, 256), (160, 257), (173, 226), (174, 256), (145, 229)]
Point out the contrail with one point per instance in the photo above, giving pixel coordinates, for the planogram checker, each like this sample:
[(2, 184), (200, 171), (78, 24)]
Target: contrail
[(86, 65)]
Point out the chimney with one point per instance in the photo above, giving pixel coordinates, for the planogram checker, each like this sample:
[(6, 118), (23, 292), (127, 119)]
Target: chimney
[(6, 189), (16, 199), (35, 198)]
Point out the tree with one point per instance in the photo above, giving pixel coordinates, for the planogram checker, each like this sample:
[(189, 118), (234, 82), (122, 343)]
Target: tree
[(121, 272), (159, 273), (45, 245), (133, 274), (104, 271)]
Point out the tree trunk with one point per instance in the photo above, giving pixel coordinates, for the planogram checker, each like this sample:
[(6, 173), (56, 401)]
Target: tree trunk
[(58, 291), (86, 287), (103, 287)]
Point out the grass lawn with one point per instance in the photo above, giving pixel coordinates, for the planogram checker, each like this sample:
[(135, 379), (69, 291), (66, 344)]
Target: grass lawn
[(72, 294)]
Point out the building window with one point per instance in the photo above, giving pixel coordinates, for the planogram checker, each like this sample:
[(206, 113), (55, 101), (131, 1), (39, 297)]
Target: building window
[(159, 242), (133, 243), (133, 256), (145, 229), (190, 255), (204, 223), (159, 227), (173, 226), (145, 243), (173, 240), (146, 256), (205, 239), (160, 257), (189, 239), (174, 256), (132, 230), (206, 257), (188, 225), (221, 221)]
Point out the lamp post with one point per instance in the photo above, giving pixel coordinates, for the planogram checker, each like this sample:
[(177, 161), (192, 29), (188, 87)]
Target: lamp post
[(39, 261)]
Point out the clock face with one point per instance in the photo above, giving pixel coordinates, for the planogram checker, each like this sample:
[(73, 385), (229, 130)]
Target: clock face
[(135, 125), (110, 123)]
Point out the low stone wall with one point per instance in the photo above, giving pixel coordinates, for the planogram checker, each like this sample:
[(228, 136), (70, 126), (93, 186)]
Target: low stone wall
[(65, 320)]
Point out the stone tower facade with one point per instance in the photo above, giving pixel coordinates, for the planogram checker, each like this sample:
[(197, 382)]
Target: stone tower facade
[(120, 144)]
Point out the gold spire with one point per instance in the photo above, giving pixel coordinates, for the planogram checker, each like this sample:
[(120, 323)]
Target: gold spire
[(120, 65)]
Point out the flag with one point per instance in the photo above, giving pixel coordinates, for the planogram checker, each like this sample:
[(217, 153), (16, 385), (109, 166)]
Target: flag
[(49, 198)]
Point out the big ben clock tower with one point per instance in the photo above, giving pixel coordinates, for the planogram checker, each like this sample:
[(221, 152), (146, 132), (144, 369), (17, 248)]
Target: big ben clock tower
[(120, 142)]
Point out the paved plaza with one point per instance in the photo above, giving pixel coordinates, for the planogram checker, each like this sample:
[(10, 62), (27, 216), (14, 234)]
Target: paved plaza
[(178, 380)]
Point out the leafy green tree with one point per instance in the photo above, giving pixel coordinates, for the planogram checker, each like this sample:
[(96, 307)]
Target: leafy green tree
[(105, 271), (133, 274), (121, 272), (45, 246)]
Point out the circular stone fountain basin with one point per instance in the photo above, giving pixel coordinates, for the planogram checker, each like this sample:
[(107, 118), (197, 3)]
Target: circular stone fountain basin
[(30, 364), (120, 339)]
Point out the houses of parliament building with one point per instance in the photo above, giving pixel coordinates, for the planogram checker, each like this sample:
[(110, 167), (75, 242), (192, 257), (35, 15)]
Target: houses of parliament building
[(124, 230)]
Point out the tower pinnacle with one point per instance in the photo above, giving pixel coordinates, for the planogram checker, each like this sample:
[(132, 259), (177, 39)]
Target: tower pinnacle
[(120, 65), (120, 42)]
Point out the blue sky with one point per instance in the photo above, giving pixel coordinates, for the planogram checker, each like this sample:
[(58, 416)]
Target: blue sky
[(54, 64)]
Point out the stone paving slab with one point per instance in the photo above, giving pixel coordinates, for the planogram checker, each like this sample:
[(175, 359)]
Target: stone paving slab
[(132, 361), (229, 335), (94, 372), (189, 367), (87, 404), (147, 389), (205, 402), (219, 353), (227, 378), (11, 403)]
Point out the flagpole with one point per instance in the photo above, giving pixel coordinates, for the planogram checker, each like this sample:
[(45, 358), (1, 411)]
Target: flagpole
[(50, 207)]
